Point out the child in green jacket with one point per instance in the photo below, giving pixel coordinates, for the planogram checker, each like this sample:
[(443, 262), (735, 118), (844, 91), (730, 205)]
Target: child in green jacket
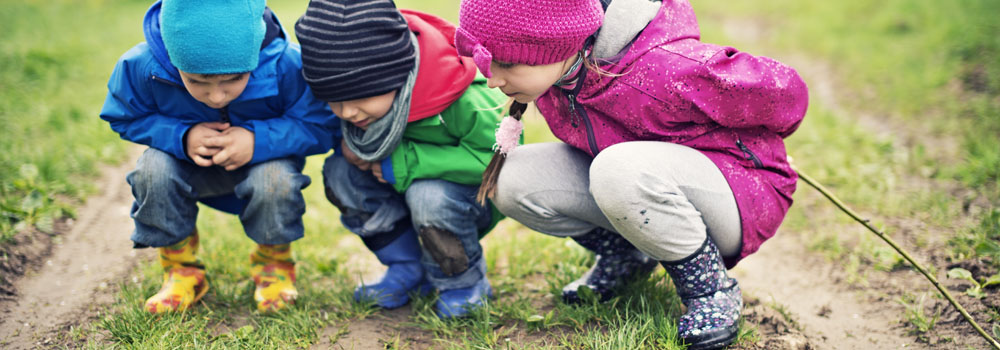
[(418, 133)]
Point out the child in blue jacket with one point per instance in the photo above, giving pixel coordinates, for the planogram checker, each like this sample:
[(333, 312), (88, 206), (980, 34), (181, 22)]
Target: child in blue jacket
[(217, 94)]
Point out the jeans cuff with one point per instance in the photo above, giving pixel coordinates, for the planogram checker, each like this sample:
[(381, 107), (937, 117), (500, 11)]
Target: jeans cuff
[(468, 278)]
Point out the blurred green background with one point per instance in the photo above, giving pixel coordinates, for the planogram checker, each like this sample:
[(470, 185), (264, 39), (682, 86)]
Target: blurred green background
[(904, 122)]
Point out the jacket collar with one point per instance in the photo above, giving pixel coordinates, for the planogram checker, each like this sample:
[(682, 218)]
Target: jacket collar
[(674, 21)]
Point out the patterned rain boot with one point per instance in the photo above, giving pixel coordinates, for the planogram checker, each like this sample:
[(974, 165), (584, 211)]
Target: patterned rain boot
[(459, 302), (404, 274), (618, 261), (273, 272), (713, 299), (183, 277)]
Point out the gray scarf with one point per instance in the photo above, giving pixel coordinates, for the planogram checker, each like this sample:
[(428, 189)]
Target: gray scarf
[(384, 135)]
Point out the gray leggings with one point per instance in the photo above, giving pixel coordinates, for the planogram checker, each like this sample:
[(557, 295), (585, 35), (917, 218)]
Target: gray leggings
[(662, 197)]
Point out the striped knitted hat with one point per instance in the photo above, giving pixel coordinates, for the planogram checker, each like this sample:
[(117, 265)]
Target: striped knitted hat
[(532, 32), (354, 49)]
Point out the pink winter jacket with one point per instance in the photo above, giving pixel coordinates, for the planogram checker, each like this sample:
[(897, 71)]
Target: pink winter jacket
[(733, 107)]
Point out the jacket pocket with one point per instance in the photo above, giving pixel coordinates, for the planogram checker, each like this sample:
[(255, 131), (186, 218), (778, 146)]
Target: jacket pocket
[(748, 154)]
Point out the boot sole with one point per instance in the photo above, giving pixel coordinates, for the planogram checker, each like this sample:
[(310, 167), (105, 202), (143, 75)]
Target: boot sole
[(422, 289), (461, 311), (572, 297), (201, 290), (718, 340)]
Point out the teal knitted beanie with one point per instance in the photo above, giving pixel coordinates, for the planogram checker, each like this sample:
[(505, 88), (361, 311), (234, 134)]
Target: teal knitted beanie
[(213, 37)]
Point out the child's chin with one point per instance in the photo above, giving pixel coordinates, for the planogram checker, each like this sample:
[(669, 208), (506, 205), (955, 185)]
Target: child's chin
[(522, 98)]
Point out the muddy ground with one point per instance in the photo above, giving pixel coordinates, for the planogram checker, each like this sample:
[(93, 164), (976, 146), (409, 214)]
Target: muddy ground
[(51, 283), (796, 299), (56, 282)]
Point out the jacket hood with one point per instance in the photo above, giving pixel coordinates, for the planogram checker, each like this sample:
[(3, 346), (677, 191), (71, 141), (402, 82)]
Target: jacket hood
[(623, 21), (151, 30), (675, 21), (443, 76)]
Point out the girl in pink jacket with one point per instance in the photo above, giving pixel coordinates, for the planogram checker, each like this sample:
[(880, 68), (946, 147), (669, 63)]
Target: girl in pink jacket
[(673, 150)]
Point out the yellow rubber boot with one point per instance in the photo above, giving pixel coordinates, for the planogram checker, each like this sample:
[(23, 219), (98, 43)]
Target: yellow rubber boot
[(183, 277), (273, 272)]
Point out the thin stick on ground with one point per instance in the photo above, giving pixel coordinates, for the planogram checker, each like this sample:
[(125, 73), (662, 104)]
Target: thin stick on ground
[(867, 223)]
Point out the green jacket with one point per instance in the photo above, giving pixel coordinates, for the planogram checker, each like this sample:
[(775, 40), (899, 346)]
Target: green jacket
[(455, 145)]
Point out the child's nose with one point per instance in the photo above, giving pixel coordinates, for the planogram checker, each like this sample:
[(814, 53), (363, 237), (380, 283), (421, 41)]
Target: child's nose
[(348, 112), (217, 96), (495, 82)]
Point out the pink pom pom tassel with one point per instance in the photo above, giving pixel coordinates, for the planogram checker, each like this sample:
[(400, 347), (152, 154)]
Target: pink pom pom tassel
[(508, 135)]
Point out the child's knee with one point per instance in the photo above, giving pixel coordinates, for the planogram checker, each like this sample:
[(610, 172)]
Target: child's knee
[(446, 248), (430, 200), (508, 190), (154, 170), (611, 179), (335, 167), (275, 181)]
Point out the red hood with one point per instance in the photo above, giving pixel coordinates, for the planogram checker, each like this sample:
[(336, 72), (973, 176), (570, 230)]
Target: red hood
[(443, 76)]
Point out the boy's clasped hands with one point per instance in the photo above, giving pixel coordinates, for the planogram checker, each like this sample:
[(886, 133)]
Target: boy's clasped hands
[(351, 157), (218, 143)]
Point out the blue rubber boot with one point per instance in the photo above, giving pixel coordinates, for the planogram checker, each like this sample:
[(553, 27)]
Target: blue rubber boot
[(713, 299), (405, 274), (459, 302), (618, 262)]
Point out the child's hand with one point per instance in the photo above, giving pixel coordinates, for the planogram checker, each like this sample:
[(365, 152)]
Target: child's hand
[(377, 171), (194, 142), (236, 147), (353, 158)]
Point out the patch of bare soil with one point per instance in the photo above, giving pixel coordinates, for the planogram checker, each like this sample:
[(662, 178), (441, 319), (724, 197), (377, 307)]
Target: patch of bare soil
[(951, 324), (376, 331), (835, 308), (778, 331), (803, 303), (27, 249), (382, 330), (82, 263)]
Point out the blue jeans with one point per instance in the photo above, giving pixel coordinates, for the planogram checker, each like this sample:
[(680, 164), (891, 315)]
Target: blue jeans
[(379, 214), (167, 190)]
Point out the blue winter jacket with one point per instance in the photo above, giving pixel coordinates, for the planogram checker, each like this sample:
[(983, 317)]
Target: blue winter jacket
[(147, 103)]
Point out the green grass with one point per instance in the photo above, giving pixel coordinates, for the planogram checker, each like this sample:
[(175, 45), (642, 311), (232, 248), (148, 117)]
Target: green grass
[(929, 69), (643, 317), (54, 63), (984, 240), (916, 315), (942, 82)]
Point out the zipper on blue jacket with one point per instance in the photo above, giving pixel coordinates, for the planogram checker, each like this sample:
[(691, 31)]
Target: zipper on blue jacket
[(574, 109), (749, 154), (224, 114), (165, 81)]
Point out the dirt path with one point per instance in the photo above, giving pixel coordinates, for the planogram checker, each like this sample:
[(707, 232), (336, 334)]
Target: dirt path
[(80, 274), (377, 331), (794, 297), (784, 276)]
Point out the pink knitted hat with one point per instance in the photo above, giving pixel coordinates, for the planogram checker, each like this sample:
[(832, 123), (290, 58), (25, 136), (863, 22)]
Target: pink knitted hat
[(533, 32)]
